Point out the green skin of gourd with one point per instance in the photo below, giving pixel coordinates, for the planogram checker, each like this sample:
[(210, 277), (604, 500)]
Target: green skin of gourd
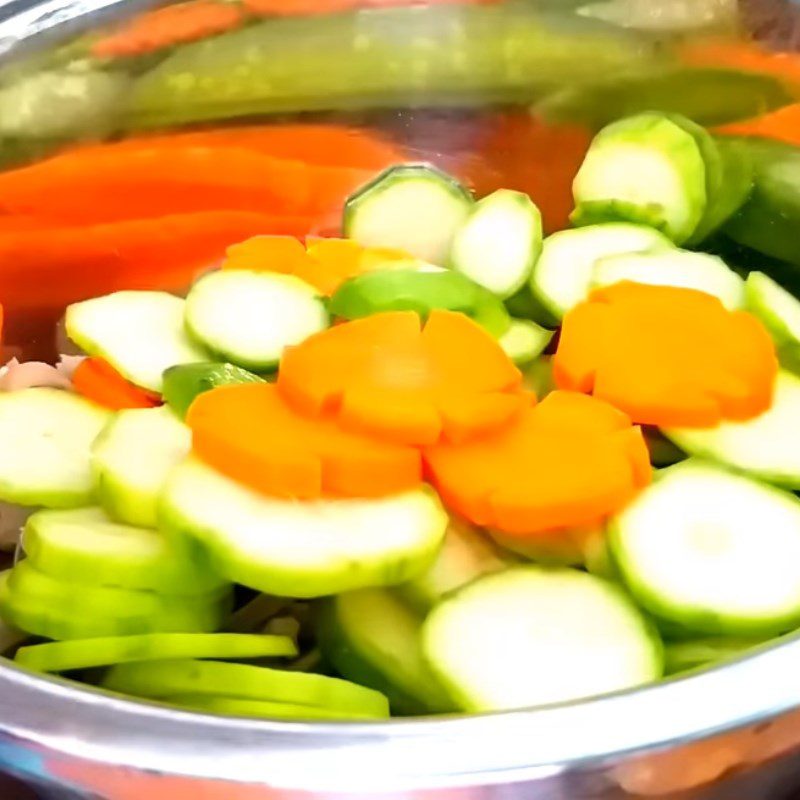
[(412, 290)]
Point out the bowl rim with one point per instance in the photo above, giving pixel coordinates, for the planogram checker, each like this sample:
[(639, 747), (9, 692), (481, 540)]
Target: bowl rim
[(57, 716)]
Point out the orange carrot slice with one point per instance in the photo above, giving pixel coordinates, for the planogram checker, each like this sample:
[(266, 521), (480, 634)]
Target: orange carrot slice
[(98, 381), (250, 434), (284, 254), (570, 461), (387, 376), (164, 27), (782, 125), (667, 356)]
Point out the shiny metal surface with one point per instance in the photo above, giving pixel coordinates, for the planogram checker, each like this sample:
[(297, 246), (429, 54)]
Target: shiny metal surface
[(727, 734)]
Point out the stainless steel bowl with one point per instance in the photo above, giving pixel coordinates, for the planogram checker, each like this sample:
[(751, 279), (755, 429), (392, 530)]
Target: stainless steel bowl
[(730, 732)]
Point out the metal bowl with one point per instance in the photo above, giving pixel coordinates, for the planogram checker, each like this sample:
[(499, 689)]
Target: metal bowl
[(729, 732)]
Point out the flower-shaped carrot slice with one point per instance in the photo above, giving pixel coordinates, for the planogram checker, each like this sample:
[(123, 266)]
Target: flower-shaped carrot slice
[(570, 461), (388, 376), (667, 356), (250, 434)]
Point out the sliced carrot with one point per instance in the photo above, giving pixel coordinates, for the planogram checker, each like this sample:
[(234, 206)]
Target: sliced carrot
[(98, 187), (741, 55), (570, 461), (667, 356), (164, 27), (314, 144), (782, 125), (249, 433), (387, 376), (284, 254), (98, 381)]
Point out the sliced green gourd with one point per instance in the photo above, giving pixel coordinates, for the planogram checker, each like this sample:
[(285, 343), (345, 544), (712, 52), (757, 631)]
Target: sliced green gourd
[(663, 452), (766, 447), (563, 548), (250, 317), (419, 291), (466, 554), (525, 341), (84, 546), (139, 333), (373, 638), (45, 442), (44, 606), (184, 382), (132, 458), (307, 549), (245, 682), (103, 652), (713, 552), (538, 377), (778, 309), (415, 208), (562, 276), (533, 636), (697, 653), (683, 268), (499, 242), (644, 169), (258, 709)]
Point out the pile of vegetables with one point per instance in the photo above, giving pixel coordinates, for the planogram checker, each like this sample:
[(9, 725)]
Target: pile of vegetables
[(439, 464)]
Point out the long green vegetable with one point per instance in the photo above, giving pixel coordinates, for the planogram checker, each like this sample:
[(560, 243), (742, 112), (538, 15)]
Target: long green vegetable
[(382, 58)]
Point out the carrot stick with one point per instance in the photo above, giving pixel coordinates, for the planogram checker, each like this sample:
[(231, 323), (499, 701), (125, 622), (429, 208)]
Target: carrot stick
[(321, 145), (570, 461), (386, 376), (741, 55), (164, 27), (284, 254), (782, 125), (99, 186), (98, 381), (249, 433), (667, 356)]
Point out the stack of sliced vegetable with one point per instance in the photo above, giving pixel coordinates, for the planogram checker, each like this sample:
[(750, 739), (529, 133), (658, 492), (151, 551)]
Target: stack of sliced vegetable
[(472, 512)]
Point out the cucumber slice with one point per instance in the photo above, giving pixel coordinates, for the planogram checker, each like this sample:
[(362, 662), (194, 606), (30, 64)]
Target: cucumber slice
[(713, 552), (84, 546), (372, 638), (422, 292), (525, 341), (132, 458), (184, 382), (766, 447), (45, 441), (414, 207), (776, 308), (249, 318), (533, 636), (644, 169), (54, 609), (700, 271), (139, 333), (466, 554), (307, 549), (562, 277), (499, 243), (245, 682), (234, 707), (685, 656), (86, 653)]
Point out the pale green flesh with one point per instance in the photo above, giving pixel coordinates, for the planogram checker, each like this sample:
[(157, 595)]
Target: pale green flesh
[(85, 653), (525, 341), (307, 549), (681, 268), (139, 333), (775, 307), (132, 458), (532, 636), (499, 243), (245, 682), (766, 447), (45, 441), (712, 551), (562, 276), (84, 546), (249, 318)]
